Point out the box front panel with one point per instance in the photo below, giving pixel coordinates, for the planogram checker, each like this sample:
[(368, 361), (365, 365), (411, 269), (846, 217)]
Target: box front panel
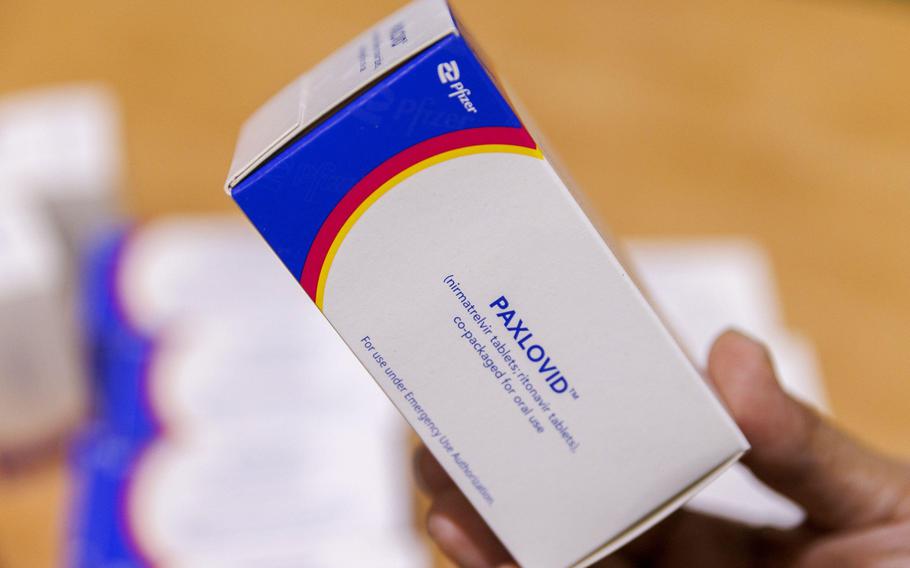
[(436, 238)]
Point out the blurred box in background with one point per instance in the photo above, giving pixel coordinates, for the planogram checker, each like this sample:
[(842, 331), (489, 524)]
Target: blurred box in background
[(42, 393), (62, 147), (234, 428), (60, 177)]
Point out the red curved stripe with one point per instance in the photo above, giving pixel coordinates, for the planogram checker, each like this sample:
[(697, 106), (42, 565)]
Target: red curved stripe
[(309, 278)]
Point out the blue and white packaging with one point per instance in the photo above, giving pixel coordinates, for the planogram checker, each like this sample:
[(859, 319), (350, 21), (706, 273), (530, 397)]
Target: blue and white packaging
[(215, 442), (140, 283), (396, 183)]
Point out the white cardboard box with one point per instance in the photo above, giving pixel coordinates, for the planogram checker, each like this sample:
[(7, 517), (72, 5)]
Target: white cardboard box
[(398, 186)]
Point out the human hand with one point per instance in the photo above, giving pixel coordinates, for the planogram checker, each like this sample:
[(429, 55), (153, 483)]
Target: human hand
[(857, 502)]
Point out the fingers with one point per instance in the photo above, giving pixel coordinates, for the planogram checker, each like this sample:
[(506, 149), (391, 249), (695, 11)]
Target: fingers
[(452, 522), (430, 476), (462, 535), (694, 539), (881, 546), (840, 483), (458, 529)]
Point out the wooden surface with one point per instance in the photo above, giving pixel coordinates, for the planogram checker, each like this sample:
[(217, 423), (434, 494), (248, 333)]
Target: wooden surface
[(788, 121)]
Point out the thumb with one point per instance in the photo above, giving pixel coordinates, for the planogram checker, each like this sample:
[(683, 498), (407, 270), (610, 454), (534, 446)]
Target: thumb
[(839, 482)]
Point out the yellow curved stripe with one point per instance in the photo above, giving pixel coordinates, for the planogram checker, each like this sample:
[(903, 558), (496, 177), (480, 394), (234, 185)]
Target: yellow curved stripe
[(398, 178)]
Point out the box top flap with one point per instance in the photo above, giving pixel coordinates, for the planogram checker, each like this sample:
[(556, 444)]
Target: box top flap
[(314, 94)]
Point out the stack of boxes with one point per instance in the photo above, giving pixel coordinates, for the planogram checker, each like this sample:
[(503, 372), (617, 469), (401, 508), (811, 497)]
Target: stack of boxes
[(235, 429)]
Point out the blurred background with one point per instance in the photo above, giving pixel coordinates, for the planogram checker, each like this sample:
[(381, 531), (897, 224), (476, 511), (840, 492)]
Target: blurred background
[(753, 157)]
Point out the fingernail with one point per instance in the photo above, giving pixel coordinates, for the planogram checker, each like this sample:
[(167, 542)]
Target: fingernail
[(441, 528)]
